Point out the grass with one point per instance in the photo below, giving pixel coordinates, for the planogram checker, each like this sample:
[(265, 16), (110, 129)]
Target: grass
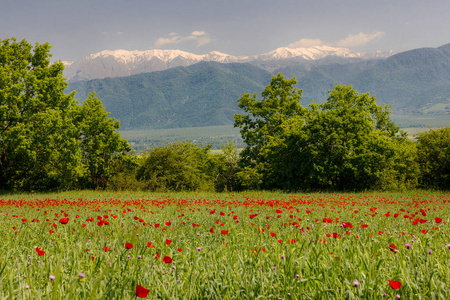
[(275, 245)]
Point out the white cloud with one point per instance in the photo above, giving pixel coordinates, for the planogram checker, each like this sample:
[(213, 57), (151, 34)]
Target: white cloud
[(119, 33), (306, 43), (198, 33), (200, 37), (359, 39)]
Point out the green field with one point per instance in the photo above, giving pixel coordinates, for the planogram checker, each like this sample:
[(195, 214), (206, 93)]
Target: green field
[(141, 140), (92, 245)]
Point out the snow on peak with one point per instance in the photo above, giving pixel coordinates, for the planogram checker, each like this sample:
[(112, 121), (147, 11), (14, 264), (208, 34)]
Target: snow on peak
[(307, 53)]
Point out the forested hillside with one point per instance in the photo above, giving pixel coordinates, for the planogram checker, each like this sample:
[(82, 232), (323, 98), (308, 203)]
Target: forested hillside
[(200, 95), (205, 94)]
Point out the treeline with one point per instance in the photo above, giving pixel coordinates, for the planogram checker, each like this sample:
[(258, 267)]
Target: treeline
[(347, 143), (49, 141)]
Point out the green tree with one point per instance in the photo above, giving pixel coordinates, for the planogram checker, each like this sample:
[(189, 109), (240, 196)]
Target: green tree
[(346, 143), (100, 142), (280, 102), (47, 140), (227, 163), (434, 158), (38, 145), (181, 166)]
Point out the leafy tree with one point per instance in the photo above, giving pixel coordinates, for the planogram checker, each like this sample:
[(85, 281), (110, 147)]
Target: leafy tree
[(434, 158), (100, 143), (47, 140), (280, 102), (227, 163), (345, 143), (38, 145), (181, 166)]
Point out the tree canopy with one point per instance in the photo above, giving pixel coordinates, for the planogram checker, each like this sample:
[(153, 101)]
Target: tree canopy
[(45, 134), (347, 142)]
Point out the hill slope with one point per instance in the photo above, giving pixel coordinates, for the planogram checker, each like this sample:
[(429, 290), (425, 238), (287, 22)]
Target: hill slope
[(204, 94)]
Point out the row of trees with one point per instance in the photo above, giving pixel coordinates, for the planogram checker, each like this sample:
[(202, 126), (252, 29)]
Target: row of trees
[(48, 141), (345, 143)]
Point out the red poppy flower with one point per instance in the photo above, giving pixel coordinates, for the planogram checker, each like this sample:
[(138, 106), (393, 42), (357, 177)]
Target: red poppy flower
[(224, 232), (168, 223), (141, 291), (128, 246), (179, 250), (211, 230), (336, 235), (395, 284), (39, 251), (438, 220), (64, 221), (393, 248), (168, 242), (150, 245), (106, 249), (167, 259), (364, 225), (156, 225), (280, 241), (157, 255), (272, 234), (424, 231)]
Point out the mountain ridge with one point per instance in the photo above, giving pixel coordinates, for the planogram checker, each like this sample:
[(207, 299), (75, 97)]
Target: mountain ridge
[(118, 63)]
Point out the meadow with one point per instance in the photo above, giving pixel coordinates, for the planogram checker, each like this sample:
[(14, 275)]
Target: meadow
[(254, 245)]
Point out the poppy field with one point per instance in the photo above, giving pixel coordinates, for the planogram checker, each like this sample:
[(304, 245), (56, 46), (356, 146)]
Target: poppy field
[(99, 245)]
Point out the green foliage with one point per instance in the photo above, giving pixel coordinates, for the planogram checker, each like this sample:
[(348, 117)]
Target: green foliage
[(181, 166), (264, 118), (227, 166), (434, 158), (38, 145), (47, 140), (345, 143), (101, 144)]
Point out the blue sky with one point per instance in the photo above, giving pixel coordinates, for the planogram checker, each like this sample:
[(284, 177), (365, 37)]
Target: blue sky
[(77, 28)]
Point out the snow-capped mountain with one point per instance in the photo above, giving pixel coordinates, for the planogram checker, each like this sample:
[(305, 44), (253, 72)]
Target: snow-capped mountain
[(117, 63)]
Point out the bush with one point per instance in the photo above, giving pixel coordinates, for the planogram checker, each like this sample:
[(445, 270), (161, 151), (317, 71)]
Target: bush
[(181, 166)]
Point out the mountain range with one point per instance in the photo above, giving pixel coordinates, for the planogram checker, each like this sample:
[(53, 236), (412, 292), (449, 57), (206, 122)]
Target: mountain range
[(205, 93), (119, 63)]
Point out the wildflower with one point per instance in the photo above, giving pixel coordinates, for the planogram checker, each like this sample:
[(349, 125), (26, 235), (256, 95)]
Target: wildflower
[(39, 251), (430, 251), (167, 259), (141, 291), (198, 249), (27, 287), (408, 246), (395, 284), (52, 277), (356, 283), (82, 275)]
